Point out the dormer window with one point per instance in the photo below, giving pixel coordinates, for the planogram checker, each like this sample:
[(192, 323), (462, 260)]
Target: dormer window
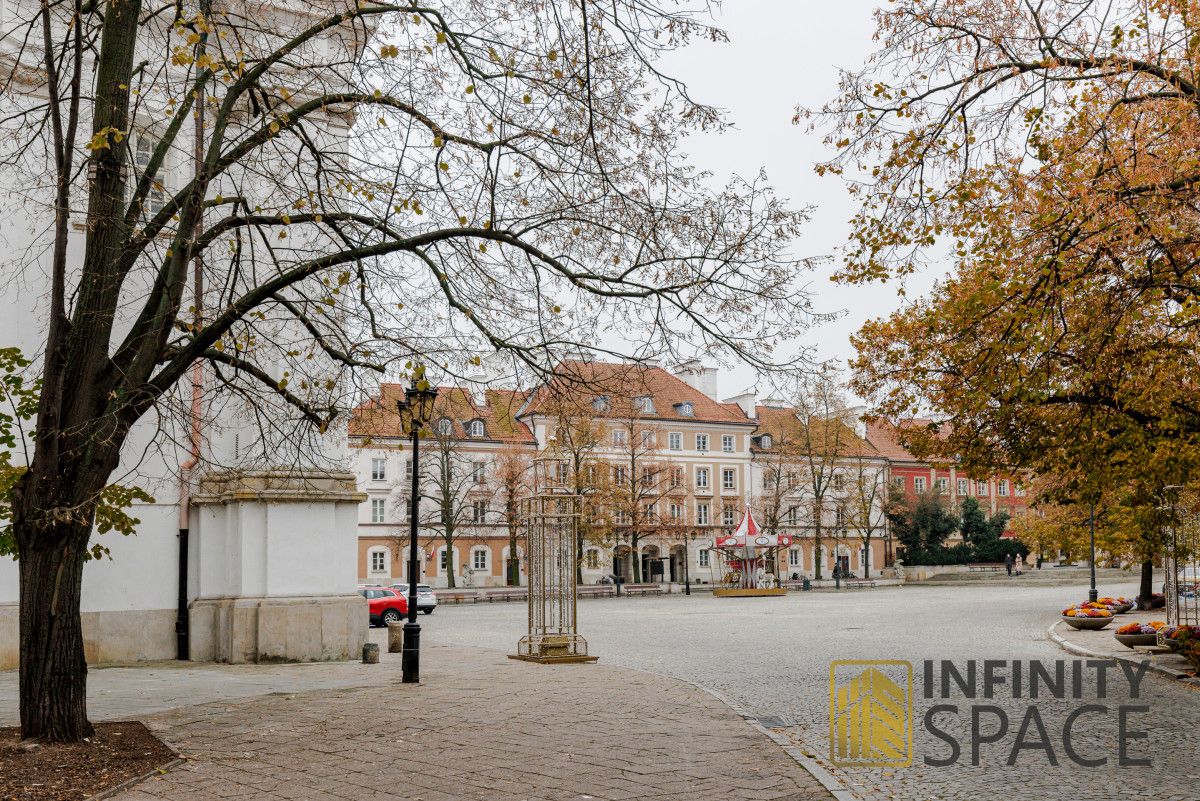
[(685, 409), (645, 404), (601, 404), (475, 428), (445, 426), (766, 441)]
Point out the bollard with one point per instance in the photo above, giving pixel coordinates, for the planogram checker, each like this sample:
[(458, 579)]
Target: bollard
[(371, 653), (395, 638)]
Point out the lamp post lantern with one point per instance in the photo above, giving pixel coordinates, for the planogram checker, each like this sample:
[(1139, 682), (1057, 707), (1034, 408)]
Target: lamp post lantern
[(416, 410)]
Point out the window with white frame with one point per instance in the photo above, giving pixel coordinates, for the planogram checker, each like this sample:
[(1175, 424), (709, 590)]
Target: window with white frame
[(686, 409), (676, 512), (479, 559), (964, 487), (378, 469), (445, 426), (649, 511), (144, 146), (648, 474), (898, 482), (942, 484), (919, 483), (790, 516), (727, 516), (476, 428), (981, 489), (621, 517), (648, 438), (675, 441), (645, 404), (618, 438), (701, 478), (442, 559), (794, 557), (378, 509), (766, 441), (479, 472), (479, 510), (600, 404), (727, 443), (378, 557), (702, 514), (702, 557), (619, 474), (702, 442), (1002, 487), (728, 478)]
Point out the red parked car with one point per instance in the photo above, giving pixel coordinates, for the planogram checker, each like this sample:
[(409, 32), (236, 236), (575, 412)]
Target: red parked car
[(385, 605)]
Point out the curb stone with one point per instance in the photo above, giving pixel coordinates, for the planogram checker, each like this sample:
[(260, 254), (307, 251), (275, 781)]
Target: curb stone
[(827, 780), (129, 784), (1079, 650)]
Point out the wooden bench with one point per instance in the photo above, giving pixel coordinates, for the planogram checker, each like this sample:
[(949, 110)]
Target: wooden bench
[(506, 594), (641, 589), (856, 583), (982, 567), (597, 591), (457, 596)]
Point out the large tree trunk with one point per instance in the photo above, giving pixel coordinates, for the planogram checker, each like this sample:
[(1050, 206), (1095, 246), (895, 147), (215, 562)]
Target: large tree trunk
[(1146, 590), (53, 676)]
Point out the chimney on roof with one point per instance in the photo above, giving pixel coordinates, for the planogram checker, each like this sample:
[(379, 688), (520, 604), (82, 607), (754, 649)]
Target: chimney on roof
[(774, 403), (697, 376), (853, 417), (745, 401)]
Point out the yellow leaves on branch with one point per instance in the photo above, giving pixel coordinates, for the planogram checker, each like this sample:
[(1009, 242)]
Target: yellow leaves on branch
[(105, 138)]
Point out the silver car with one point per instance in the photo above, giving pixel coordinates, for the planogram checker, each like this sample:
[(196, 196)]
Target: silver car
[(426, 599)]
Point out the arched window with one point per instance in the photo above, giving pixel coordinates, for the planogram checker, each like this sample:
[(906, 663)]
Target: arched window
[(445, 426), (378, 561), (475, 428), (600, 404), (685, 409), (766, 441)]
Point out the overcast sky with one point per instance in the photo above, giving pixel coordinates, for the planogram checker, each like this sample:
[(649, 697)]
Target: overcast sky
[(782, 54)]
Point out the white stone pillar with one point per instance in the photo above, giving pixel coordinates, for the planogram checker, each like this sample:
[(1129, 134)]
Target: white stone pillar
[(273, 560)]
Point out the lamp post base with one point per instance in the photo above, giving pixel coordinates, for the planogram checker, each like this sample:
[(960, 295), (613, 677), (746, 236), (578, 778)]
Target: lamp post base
[(410, 656)]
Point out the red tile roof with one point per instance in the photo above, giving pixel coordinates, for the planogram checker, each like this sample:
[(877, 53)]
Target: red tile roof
[(781, 422), (378, 416), (623, 384)]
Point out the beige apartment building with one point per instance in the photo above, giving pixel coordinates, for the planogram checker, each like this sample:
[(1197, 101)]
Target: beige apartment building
[(664, 464)]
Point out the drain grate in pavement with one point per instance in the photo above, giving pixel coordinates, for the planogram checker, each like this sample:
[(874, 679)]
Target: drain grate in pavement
[(775, 722)]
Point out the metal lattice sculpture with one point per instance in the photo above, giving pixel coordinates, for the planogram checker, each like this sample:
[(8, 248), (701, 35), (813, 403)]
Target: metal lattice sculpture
[(551, 519), (1183, 578)]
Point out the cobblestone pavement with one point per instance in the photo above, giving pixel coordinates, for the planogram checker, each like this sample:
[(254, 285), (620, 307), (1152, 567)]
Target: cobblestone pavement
[(480, 726), (771, 656)]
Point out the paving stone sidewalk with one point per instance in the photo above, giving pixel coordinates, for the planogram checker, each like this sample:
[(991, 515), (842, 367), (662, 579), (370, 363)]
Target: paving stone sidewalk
[(480, 726)]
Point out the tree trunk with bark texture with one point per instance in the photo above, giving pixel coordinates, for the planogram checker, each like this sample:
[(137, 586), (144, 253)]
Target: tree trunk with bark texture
[(53, 675), (1146, 589)]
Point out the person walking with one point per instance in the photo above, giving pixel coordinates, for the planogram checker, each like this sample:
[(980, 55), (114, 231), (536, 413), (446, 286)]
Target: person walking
[(1008, 563), (1020, 564)]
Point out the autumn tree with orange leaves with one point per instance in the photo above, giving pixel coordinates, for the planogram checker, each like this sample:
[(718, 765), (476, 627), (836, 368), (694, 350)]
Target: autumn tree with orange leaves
[(1053, 150)]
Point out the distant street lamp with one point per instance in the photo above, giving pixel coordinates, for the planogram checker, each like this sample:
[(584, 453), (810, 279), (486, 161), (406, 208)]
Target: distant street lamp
[(416, 410), (1092, 594)]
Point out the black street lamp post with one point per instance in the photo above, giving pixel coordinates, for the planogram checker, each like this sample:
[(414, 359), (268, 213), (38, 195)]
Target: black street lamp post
[(1092, 593), (415, 410)]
